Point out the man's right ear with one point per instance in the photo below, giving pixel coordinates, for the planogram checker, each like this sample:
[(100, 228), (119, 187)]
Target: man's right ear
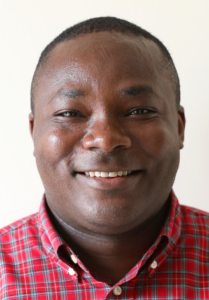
[(31, 127), (31, 124)]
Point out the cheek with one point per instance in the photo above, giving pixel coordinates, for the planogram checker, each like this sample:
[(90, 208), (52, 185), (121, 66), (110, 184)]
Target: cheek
[(56, 145), (158, 141)]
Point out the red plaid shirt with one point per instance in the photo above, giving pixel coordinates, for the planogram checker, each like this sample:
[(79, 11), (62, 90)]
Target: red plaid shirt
[(35, 263)]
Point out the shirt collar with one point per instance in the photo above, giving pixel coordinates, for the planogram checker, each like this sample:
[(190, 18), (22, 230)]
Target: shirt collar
[(172, 227), (171, 230), (52, 240)]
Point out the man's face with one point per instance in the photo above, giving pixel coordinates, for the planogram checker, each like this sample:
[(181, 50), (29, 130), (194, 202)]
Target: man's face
[(104, 103)]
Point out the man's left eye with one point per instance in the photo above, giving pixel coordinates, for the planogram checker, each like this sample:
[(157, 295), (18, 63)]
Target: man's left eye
[(140, 111), (69, 114)]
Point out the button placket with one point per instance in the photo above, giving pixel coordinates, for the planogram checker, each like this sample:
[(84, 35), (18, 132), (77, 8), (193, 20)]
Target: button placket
[(154, 264), (71, 271), (73, 258), (117, 291)]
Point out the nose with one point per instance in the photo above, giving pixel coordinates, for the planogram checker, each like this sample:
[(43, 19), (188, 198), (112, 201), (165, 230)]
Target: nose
[(106, 135)]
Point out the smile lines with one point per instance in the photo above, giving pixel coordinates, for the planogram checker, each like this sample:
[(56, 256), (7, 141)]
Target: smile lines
[(107, 174)]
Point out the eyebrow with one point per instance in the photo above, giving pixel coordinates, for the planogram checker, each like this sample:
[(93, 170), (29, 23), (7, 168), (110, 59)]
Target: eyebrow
[(135, 90), (70, 93), (73, 93)]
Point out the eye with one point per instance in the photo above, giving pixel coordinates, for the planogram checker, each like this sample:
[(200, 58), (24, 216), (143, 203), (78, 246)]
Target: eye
[(141, 111), (69, 114)]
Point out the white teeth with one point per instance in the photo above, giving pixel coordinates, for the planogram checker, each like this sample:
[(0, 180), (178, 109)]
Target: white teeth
[(113, 174), (107, 174), (104, 174)]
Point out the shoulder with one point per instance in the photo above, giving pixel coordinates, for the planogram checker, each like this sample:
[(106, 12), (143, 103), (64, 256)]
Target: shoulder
[(196, 213), (19, 225), (195, 221), (17, 234)]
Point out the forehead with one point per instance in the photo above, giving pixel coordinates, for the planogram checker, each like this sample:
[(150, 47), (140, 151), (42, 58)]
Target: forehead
[(106, 49), (97, 57)]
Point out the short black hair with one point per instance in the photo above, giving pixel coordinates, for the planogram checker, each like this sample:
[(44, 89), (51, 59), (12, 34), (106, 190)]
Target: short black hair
[(108, 24)]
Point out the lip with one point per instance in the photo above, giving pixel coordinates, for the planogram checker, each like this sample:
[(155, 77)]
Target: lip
[(109, 183), (104, 170)]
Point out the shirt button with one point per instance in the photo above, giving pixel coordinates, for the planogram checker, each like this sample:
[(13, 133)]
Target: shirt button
[(74, 259), (154, 265), (117, 290), (71, 271)]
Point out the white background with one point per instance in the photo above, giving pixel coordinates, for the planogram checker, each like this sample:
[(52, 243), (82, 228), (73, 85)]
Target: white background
[(27, 26)]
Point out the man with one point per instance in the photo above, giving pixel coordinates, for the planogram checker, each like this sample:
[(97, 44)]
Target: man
[(107, 128)]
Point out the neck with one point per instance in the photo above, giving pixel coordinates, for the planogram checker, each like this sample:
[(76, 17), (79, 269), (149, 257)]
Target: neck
[(112, 256)]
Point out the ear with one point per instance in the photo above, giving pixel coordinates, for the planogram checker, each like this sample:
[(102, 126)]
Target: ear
[(31, 126), (181, 126)]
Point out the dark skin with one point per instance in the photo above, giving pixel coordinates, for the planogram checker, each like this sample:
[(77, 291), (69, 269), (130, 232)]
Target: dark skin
[(104, 102)]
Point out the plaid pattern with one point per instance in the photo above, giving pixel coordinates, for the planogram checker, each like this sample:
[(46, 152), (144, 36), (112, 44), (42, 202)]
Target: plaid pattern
[(35, 262)]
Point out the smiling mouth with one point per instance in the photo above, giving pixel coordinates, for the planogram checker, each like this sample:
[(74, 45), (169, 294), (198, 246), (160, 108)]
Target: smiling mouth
[(111, 174), (110, 180)]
